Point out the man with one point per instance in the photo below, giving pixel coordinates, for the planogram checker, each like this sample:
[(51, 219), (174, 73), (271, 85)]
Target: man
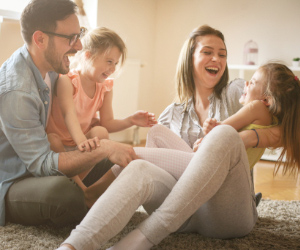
[(34, 183)]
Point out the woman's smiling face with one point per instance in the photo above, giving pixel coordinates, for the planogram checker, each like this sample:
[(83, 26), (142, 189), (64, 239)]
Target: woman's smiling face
[(209, 61)]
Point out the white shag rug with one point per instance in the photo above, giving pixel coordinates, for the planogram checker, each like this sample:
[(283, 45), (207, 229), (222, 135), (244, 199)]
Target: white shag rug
[(278, 227)]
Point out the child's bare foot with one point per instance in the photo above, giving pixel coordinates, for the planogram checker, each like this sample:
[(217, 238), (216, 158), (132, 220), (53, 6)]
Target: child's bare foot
[(93, 192), (90, 197)]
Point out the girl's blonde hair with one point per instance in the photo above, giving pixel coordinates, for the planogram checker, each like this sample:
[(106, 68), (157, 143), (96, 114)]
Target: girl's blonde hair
[(185, 84), (98, 41), (283, 89)]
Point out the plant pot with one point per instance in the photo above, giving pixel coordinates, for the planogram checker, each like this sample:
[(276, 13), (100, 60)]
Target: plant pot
[(295, 63)]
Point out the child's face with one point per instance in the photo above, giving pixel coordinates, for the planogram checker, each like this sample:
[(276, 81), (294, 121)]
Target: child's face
[(254, 89), (104, 65)]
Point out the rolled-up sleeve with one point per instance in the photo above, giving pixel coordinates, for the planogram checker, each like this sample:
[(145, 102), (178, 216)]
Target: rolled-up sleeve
[(21, 123)]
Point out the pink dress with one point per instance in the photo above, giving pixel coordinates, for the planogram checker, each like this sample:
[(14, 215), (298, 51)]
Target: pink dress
[(85, 106)]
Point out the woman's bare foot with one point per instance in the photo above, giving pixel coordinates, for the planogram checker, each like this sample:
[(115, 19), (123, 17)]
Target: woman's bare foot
[(135, 240), (66, 247)]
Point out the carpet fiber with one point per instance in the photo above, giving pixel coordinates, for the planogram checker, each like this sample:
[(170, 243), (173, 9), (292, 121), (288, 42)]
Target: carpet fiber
[(278, 227)]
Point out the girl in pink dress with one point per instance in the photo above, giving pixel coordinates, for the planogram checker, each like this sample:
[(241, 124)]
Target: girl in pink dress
[(85, 93)]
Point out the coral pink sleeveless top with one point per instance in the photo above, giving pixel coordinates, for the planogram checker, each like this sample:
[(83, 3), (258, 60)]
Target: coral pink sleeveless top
[(85, 106)]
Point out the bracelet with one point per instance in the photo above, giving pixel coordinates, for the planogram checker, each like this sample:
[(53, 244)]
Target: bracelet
[(257, 138)]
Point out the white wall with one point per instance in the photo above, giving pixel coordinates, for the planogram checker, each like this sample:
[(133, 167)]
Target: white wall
[(134, 21), (13, 5), (10, 39), (10, 31), (91, 10), (273, 24), (154, 31)]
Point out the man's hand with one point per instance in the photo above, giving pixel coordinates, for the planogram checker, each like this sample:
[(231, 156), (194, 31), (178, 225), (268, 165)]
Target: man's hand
[(118, 153)]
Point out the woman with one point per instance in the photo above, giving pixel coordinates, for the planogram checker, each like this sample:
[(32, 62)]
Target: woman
[(202, 85), (213, 197)]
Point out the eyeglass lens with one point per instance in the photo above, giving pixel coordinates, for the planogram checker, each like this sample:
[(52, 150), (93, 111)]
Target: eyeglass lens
[(74, 39)]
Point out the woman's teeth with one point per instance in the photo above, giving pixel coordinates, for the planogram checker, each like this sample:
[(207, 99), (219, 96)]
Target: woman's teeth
[(212, 70)]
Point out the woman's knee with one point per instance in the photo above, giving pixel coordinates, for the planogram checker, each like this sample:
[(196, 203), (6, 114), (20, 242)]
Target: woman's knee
[(225, 132), (140, 171), (226, 129), (137, 167), (144, 173), (159, 127), (155, 131)]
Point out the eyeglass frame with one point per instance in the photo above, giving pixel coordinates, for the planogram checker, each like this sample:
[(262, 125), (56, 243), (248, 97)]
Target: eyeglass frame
[(75, 36)]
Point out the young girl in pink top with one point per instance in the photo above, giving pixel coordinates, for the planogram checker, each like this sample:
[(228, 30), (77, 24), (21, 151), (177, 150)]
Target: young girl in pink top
[(85, 91)]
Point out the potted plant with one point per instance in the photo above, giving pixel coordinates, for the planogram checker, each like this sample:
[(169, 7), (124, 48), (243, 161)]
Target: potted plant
[(296, 61)]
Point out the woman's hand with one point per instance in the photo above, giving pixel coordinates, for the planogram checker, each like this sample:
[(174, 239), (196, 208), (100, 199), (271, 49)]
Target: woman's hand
[(209, 124), (89, 144), (143, 119)]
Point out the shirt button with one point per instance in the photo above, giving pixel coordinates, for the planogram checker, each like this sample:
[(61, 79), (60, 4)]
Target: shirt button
[(46, 102)]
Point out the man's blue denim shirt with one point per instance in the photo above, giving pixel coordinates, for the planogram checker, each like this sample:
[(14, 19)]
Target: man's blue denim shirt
[(24, 103)]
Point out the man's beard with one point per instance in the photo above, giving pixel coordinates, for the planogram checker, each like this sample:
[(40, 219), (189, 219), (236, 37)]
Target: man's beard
[(54, 60)]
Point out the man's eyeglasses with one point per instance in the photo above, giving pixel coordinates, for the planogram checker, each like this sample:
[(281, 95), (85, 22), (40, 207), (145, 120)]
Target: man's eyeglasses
[(72, 38)]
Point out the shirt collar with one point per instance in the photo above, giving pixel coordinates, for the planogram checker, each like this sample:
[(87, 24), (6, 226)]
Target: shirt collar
[(36, 73), (190, 105)]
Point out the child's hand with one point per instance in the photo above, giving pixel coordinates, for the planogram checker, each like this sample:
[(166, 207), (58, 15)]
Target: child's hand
[(209, 124), (89, 144), (143, 119), (196, 144)]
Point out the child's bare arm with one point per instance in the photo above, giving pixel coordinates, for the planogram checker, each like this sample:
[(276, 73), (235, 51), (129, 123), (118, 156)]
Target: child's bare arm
[(253, 113), (107, 120), (269, 137), (66, 103)]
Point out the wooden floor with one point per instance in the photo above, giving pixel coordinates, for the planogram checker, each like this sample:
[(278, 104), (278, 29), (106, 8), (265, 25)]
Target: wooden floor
[(277, 187)]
